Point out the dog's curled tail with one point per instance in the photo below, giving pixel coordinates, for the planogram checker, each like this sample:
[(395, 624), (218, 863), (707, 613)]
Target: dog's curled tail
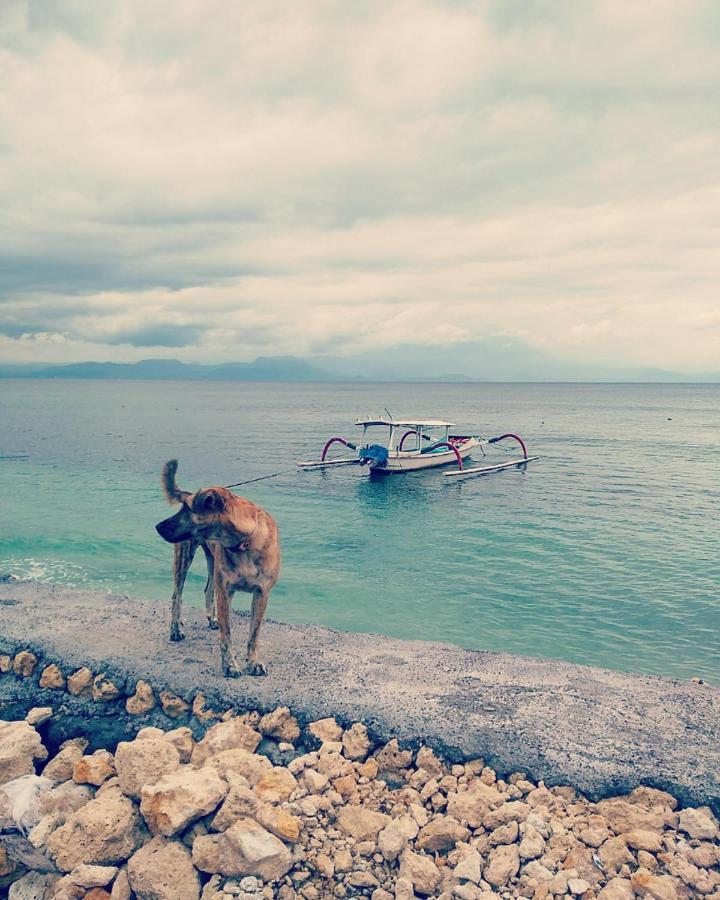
[(172, 493)]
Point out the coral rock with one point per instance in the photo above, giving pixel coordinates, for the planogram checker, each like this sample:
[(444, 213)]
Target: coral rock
[(623, 816), (473, 805), (441, 834), (163, 870), (86, 876), (356, 743), (232, 735), (470, 867), (393, 839), (39, 714), (20, 746), (104, 690), (80, 683), (103, 832), (94, 769), (246, 848), (24, 664), (201, 710), (177, 799), (392, 757), (206, 852), (173, 706), (420, 871), (361, 823), (503, 864), (144, 762), (657, 887), (182, 740), (276, 786), (617, 889), (121, 886), (249, 765), (61, 767), (613, 854), (699, 823), (33, 886), (240, 800), (280, 724), (644, 840), (53, 678), (142, 701), (64, 799), (532, 844), (278, 822), (326, 730)]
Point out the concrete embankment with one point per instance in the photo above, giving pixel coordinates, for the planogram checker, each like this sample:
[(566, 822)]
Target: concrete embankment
[(603, 732)]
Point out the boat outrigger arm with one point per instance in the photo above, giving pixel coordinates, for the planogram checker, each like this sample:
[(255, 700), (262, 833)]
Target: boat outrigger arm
[(413, 444), (487, 470)]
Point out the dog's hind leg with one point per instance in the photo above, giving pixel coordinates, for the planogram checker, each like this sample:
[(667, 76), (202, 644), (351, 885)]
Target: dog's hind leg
[(182, 560), (210, 589), (257, 611)]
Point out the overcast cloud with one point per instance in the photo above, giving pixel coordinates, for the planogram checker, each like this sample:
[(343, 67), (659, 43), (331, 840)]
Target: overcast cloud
[(213, 180)]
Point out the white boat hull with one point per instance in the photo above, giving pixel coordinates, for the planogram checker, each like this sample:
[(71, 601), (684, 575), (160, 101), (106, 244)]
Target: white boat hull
[(409, 461)]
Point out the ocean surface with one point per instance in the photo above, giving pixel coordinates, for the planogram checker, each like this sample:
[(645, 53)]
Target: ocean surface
[(604, 552)]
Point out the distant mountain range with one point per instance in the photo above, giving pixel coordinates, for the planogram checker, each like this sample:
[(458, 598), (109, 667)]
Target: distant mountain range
[(498, 360), (279, 368)]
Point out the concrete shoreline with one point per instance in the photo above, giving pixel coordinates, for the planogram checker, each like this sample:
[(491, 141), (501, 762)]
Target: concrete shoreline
[(600, 731)]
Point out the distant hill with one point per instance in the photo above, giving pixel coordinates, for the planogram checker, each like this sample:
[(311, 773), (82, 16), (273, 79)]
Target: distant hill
[(488, 360), (279, 368)]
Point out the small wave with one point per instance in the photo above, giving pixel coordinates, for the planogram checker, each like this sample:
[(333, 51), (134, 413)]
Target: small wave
[(47, 571)]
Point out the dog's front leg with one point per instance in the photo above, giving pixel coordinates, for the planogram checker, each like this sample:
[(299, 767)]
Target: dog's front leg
[(259, 604), (222, 599)]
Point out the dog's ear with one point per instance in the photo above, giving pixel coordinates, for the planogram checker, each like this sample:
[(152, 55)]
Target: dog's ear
[(209, 501)]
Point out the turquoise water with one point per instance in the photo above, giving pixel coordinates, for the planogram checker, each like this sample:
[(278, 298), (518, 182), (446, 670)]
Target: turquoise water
[(604, 552)]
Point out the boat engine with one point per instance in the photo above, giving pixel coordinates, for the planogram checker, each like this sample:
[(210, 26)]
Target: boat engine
[(374, 455)]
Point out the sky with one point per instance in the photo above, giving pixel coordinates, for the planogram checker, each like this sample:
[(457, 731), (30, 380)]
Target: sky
[(211, 181)]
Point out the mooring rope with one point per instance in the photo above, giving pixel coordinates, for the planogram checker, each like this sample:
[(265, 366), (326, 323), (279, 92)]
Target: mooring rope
[(262, 478)]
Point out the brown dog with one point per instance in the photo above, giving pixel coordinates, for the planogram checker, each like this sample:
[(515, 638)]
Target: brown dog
[(242, 549)]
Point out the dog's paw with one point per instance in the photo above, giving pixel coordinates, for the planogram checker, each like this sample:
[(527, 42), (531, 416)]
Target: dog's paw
[(230, 667), (213, 624), (256, 668), (176, 633)]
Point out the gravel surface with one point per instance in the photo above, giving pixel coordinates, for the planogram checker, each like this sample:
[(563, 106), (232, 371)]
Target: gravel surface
[(603, 732)]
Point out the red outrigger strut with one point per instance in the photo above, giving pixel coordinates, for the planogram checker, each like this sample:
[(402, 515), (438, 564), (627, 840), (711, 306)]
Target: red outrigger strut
[(510, 435), (450, 447), (335, 440)]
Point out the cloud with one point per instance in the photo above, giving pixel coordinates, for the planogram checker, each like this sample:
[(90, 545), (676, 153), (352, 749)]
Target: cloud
[(158, 336), (193, 176)]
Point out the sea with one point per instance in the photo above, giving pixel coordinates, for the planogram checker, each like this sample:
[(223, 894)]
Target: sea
[(603, 552)]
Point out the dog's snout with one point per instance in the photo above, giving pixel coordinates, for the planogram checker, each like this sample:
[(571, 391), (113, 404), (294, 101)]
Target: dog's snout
[(169, 531)]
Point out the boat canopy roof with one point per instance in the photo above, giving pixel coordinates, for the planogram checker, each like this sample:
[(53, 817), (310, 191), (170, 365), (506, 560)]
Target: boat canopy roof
[(424, 423)]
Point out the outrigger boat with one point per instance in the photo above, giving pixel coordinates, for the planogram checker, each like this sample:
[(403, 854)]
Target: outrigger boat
[(390, 446)]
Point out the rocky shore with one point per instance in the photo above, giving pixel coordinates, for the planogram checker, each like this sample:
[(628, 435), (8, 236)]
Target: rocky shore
[(107, 662), (361, 766), (260, 807)]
